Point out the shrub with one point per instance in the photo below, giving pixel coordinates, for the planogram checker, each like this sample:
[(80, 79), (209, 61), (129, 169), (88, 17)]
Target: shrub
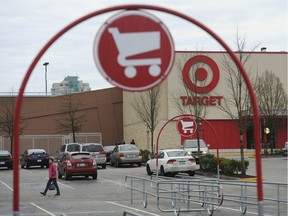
[(227, 166), (278, 151), (209, 163)]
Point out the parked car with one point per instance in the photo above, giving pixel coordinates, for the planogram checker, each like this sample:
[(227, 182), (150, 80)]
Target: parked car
[(126, 154), (172, 162), (77, 164), (191, 146), (68, 147), (34, 157), (108, 150), (6, 159), (97, 152)]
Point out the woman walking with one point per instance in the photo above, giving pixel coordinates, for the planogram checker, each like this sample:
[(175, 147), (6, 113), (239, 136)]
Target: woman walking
[(52, 177)]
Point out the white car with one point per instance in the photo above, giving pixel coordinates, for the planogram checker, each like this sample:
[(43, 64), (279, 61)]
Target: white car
[(171, 162)]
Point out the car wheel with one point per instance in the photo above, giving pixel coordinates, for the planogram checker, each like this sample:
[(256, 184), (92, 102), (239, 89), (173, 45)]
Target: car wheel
[(191, 173), (22, 166), (103, 166), (162, 172), (66, 176), (139, 164), (94, 176), (148, 170), (42, 166)]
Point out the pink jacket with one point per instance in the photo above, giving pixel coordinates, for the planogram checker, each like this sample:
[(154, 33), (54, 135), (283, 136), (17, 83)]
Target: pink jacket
[(52, 171)]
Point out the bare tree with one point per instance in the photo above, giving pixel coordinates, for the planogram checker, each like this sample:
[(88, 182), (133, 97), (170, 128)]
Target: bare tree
[(71, 120), (147, 105), (238, 94), (196, 109), (272, 100), (7, 119)]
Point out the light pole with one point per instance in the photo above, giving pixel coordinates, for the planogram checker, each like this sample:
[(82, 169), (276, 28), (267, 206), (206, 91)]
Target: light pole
[(45, 65)]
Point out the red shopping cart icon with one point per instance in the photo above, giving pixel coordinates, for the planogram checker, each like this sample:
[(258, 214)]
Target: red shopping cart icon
[(186, 126), (134, 51)]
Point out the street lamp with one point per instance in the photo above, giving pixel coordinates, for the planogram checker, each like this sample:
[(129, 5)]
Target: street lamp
[(46, 64)]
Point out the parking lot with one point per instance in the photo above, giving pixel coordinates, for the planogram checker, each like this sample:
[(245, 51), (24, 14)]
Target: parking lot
[(108, 195)]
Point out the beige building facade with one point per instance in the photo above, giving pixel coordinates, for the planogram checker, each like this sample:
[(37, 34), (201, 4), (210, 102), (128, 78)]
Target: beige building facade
[(173, 88), (110, 116)]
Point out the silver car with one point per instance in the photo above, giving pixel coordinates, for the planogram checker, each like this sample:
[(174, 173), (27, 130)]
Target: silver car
[(97, 152), (126, 154)]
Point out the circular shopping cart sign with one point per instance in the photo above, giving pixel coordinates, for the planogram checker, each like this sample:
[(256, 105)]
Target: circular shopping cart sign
[(186, 126), (134, 51)]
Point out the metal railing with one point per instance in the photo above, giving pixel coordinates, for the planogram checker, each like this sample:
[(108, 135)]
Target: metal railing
[(191, 194), (244, 195), (177, 195)]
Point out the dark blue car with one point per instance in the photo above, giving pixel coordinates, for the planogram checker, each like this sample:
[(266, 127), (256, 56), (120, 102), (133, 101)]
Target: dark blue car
[(6, 159), (34, 157)]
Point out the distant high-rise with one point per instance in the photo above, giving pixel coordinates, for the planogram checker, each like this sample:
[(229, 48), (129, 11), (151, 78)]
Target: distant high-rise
[(71, 84)]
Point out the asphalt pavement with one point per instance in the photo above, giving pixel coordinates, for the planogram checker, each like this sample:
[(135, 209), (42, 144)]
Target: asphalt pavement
[(109, 195)]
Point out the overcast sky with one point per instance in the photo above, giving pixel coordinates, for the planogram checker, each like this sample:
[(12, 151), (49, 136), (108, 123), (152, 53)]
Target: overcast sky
[(27, 25)]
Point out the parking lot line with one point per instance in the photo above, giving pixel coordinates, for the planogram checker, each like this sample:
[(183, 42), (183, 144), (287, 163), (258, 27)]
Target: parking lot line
[(25, 170), (132, 208), (237, 210), (50, 213), (121, 184), (6, 185)]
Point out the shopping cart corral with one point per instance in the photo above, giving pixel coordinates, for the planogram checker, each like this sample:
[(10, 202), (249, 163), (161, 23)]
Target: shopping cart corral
[(186, 194), (176, 195)]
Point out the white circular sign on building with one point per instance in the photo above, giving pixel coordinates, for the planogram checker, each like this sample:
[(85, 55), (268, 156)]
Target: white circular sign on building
[(186, 126)]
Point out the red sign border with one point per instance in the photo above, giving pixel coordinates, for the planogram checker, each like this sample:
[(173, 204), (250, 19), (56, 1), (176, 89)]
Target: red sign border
[(186, 117), (123, 14)]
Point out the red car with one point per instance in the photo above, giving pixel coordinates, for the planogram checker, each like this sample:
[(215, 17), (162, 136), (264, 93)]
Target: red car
[(77, 164)]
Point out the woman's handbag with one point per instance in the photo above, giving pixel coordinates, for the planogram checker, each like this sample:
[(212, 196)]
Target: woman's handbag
[(51, 186)]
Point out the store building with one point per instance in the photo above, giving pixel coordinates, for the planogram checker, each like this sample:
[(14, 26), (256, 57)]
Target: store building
[(110, 111), (201, 70)]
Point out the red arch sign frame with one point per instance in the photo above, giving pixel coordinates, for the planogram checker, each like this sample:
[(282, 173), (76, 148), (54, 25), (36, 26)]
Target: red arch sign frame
[(19, 99)]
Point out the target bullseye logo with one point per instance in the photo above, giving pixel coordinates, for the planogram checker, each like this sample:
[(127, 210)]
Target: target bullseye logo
[(201, 75)]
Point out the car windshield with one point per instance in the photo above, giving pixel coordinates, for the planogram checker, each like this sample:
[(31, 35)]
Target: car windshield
[(4, 153), (194, 144), (177, 153), (73, 147), (128, 148), (92, 148), (80, 156), (109, 148), (36, 151)]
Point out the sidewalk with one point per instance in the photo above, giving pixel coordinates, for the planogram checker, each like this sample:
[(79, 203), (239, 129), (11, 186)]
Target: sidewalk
[(232, 152)]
